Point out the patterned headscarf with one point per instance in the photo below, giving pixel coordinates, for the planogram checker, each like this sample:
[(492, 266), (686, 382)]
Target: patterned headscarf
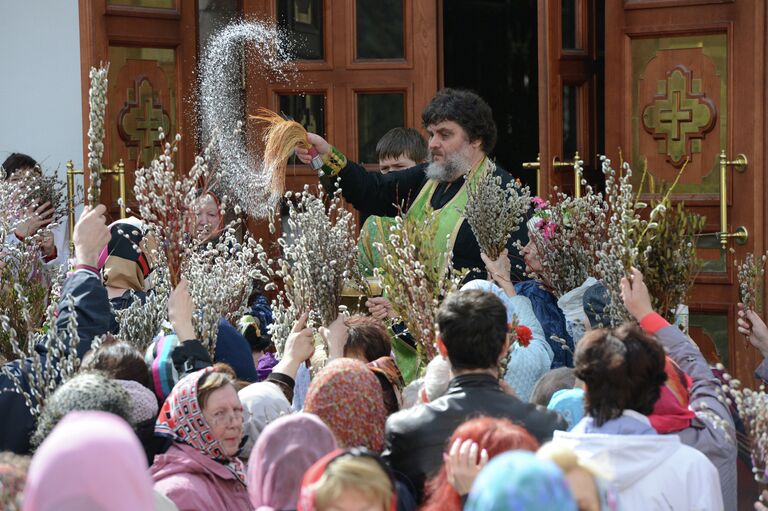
[(181, 418), (284, 451), (519, 480), (348, 398)]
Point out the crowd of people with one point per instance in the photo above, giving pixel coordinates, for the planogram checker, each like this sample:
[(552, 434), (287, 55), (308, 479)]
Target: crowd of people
[(627, 418)]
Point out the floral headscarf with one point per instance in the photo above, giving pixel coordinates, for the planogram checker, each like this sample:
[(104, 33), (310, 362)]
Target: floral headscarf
[(348, 398), (181, 418)]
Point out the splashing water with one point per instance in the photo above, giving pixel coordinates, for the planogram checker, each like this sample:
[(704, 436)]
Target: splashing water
[(239, 173)]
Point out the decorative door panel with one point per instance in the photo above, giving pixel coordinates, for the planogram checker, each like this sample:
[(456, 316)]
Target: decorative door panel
[(688, 84), (151, 46), (680, 111)]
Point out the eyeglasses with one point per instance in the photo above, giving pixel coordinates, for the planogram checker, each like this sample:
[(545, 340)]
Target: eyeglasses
[(225, 417)]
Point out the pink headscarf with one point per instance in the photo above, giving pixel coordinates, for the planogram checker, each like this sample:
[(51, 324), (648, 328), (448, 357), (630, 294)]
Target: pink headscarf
[(91, 460), (284, 451)]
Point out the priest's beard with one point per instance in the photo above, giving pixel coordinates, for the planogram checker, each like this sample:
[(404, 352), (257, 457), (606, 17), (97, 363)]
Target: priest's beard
[(454, 166)]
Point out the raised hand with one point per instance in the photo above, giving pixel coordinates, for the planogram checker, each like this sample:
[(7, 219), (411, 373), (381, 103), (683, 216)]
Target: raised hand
[(462, 464), (635, 294), (91, 235), (36, 218), (180, 309), (753, 327)]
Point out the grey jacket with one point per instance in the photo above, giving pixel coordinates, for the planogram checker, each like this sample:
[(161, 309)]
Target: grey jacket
[(716, 441)]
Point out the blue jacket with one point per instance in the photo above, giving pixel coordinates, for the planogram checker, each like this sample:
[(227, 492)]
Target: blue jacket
[(551, 318), (91, 307)]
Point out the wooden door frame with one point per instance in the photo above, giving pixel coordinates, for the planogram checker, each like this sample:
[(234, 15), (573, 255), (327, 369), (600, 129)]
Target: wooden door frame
[(102, 25)]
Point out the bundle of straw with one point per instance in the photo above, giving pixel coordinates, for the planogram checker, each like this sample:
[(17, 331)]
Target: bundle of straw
[(281, 137)]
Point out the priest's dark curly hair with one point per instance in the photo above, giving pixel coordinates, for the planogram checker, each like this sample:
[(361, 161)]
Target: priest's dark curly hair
[(623, 369), (468, 110)]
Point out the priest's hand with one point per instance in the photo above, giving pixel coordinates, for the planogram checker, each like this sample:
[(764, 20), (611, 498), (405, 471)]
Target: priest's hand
[(318, 143), (180, 308), (91, 235), (636, 298), (754, 328)]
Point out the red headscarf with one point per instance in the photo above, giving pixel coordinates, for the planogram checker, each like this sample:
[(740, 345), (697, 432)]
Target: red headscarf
[(671, 412), (181, 418)]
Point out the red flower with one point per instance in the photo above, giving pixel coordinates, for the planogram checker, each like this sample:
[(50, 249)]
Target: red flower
[(524, 335)]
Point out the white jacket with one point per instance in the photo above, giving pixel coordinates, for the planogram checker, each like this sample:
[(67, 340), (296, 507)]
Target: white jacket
[(652, 472)]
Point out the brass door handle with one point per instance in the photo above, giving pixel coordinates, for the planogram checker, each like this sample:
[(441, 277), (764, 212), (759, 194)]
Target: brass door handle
[(556, 163), (117, 169), (535, 165), (740, 235)]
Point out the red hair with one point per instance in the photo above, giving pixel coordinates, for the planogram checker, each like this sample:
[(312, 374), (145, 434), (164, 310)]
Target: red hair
[(494, 435)]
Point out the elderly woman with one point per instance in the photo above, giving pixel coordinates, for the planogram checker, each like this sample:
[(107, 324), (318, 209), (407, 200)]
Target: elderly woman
[(204, 419)]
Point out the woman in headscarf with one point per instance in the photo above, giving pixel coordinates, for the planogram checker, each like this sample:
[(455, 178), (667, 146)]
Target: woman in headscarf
[(281, 456), (210, 220), (124, 265), (472, 445), (519, 480), (342, 479), (110, 472), (347, 397), (264, 402), (366, 339), (204, 419)]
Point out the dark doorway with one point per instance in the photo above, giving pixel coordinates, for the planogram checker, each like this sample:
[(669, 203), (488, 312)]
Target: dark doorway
[(490, 46)]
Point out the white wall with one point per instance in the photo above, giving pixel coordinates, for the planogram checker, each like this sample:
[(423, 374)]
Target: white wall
[(40, 95)]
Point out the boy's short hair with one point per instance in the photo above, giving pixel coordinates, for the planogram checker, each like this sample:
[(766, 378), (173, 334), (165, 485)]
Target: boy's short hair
[(402, 141), (16, 162)]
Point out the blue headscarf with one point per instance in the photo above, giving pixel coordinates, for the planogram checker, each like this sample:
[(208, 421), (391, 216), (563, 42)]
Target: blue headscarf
[(570, 404), (519, 481)]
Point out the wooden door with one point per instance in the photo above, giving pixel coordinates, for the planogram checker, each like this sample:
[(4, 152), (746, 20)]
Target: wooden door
[(365, 66), (570, 91), (687, 82), (151, 46)]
